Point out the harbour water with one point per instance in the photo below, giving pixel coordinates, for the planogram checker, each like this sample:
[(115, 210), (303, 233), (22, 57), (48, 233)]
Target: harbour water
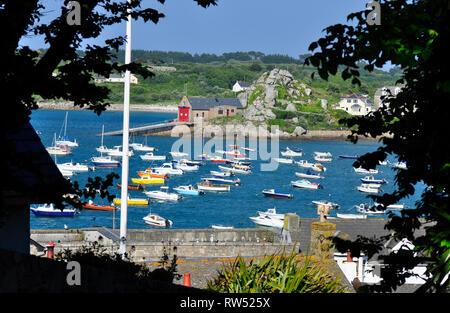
[(228, 208)]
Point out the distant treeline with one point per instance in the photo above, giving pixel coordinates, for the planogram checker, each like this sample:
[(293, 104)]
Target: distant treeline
[(168, 57)]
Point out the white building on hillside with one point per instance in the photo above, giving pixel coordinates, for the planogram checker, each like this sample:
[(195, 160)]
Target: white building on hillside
[(386, 92), (240, 85), (356, 104)]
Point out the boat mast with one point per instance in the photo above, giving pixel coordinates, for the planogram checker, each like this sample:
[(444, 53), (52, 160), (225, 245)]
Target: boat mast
[(125, 142)]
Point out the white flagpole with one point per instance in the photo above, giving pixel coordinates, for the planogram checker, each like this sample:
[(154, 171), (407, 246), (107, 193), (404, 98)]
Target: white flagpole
[(125, 145)]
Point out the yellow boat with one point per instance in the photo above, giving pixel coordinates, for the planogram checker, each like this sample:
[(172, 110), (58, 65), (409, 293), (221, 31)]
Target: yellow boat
[(148, 180), (132, 201)]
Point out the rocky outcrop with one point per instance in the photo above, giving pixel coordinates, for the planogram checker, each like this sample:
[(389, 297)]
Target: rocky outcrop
[(272, 89)]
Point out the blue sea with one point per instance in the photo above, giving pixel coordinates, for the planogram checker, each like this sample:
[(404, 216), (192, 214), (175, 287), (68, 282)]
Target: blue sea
[(231, 208)]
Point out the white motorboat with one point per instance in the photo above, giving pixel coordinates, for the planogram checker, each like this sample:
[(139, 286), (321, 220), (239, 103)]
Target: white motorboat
[(291, 153), (368, 188), (351, 216), (272, 213), (105, 161), (304, 164), (156, 220), (207, 186), (222, 182), (361, 170), (149, 156), (332, 205), (65, 140), (266, 220), (141, 147), (163, 194), (221, 174), (317, 167), (305, 184), (323, 154), (168, 168), (185, 167), (309, 175), (322, 159), (284, 160), (117, 151), (235, 170), (74, 167), (177, 154), (188, 190)]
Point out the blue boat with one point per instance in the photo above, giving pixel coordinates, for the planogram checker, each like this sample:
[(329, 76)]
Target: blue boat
[(188, 191), (372, 180), (48, 210), (273, 193)]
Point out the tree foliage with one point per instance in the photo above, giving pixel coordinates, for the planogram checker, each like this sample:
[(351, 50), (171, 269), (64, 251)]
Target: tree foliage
[(59, 72), (412, 36)]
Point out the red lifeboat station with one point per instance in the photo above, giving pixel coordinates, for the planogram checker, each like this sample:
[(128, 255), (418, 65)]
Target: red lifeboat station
[(183, 113)]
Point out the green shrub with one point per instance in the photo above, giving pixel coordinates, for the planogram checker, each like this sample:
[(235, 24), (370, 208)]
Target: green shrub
[(275, 274)]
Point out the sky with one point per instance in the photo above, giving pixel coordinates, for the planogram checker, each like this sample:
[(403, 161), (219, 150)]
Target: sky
[(269, 26)]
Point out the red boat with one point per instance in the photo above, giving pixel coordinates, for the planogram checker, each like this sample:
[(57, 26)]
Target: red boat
[(91, 206), (218, 159), (132, 187)]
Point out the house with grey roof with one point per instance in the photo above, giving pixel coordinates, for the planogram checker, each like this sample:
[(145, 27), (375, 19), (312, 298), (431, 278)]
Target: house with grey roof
[(207, 108), (356, 104), (240, 85)]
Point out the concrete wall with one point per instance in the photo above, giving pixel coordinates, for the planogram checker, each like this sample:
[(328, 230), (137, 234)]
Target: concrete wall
[(149, 244)]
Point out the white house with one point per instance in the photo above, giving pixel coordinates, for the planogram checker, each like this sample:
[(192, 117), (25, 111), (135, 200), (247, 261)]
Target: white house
[(114, 78), (387, 91), (240, 85), (356, 104)]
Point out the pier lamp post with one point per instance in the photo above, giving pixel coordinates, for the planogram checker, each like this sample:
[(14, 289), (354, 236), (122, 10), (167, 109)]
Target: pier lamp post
[(125, 143)]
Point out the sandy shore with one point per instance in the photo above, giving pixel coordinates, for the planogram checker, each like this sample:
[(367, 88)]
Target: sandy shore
[(67, 106)]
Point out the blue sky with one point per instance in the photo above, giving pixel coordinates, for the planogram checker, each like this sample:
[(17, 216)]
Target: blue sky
[(268, 26)]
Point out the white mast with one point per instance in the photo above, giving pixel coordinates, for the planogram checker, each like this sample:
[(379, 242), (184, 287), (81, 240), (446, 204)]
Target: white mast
[(125, 143)]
